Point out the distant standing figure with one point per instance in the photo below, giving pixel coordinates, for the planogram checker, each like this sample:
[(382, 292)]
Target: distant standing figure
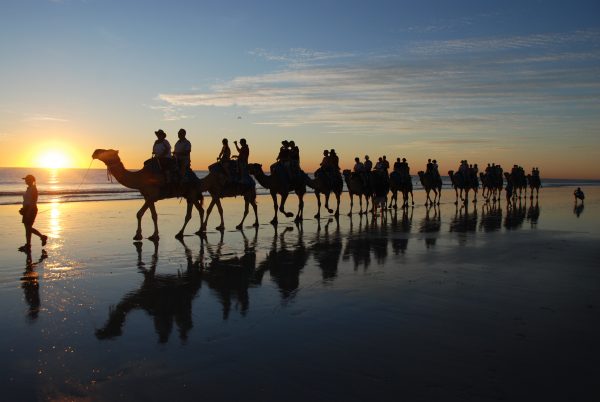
[(183, 149), (161, 148), (29, 212), (579, 195)]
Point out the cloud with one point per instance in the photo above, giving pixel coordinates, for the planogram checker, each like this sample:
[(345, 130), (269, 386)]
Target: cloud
[(418, 88), (45, 118), (170, 112)]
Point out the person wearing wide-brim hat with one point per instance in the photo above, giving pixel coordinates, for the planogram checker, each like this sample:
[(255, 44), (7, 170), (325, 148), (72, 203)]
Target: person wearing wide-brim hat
[(161, 148), (29, 212)]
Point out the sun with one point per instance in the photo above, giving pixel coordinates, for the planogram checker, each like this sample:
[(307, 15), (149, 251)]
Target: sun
[(53, 160)]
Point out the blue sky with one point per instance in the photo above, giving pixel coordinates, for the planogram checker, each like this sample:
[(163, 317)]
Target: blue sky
[(514, 81)]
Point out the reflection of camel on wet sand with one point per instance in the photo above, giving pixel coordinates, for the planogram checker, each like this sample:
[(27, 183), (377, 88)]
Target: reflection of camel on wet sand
[(464, 220), (431, 224), (515, 215), (327, 249), (285, 263), (533, 213), (491, 217), (358, 246), (167, 298), (403, 226)]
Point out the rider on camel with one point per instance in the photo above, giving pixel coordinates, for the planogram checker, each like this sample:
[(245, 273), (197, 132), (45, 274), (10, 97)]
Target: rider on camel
[(242, 158), (225, 157)]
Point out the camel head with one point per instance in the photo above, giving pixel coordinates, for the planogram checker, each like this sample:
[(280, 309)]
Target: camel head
[(106, 155), (420, 173), (346, 172), (450, 173)]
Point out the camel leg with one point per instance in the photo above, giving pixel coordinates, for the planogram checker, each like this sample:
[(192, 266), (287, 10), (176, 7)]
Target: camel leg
[(139, 215), (220, 209), (208, 211), (318, 214), (284, 197), (337, 207), (327, 203), (274, 197), (255, 208), (241, 224), (155, 221), (351, 203), (300, 214), (201, 213), (188, 216), (360, 197)]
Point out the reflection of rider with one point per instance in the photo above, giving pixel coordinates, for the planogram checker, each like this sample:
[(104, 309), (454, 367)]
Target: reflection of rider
[(225, 157)]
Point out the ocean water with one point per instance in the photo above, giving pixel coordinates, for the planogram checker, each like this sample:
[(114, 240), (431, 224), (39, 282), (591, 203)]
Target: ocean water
[(72, 185)]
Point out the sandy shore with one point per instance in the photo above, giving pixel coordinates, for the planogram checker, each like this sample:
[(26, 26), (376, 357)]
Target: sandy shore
[(430, 304)]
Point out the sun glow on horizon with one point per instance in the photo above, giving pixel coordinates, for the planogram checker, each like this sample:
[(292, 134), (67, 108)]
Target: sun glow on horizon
[(53, 159)]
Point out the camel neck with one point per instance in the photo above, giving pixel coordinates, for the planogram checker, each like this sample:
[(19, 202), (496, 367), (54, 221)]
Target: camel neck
[(263, 179), (123, 176)]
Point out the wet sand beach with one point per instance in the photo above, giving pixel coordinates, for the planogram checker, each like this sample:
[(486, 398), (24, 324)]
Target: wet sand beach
[(480, 303)]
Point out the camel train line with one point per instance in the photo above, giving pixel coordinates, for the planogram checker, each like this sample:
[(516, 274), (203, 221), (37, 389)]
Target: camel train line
[(157, 181)]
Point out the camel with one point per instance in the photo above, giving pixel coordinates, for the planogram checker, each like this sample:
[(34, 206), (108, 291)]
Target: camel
[(398, 183), (431, 183), (380, 183), (464, 184), (492, 184), (276, 186), (518, 180), (321, 184), (153, 187), (357, 187), (534, 184), (222, 189)]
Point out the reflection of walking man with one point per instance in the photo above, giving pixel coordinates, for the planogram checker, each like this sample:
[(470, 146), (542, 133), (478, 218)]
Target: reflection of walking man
[(29, 212), (30, 284)]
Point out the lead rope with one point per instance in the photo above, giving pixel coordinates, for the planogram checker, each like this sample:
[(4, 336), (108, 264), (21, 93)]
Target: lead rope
[(78, 187)]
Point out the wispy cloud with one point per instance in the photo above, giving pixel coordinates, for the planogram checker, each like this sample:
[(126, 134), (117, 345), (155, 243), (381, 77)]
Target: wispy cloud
[(170, 112), (418, 88), (45, 118)]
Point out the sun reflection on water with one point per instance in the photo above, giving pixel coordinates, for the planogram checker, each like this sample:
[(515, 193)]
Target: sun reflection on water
[(54, 222)]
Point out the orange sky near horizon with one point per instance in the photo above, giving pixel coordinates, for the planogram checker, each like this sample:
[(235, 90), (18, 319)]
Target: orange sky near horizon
[(77, 151)]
